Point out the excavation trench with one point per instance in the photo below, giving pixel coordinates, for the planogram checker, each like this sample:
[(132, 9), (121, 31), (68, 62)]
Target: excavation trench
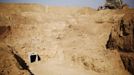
[(122, 39)]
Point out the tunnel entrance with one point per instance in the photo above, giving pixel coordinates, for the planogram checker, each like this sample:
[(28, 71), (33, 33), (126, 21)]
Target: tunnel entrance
[(33, 57)]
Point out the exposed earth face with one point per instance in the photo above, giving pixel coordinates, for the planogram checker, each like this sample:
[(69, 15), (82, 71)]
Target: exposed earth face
[(68, 40)]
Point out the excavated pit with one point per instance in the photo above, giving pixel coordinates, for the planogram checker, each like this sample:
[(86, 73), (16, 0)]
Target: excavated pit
[(122, 38), (72, 43)]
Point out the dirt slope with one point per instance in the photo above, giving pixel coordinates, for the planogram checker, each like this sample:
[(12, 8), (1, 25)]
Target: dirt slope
[(70, 41), (9, 64)]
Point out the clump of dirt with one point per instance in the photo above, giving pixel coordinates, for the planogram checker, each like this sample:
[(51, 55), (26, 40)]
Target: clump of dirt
[(10, 64)]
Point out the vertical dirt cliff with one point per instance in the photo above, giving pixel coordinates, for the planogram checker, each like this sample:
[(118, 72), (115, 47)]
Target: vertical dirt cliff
[(122, 38)]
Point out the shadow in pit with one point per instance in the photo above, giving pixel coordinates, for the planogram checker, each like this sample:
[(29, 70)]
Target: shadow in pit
[(22, 63)]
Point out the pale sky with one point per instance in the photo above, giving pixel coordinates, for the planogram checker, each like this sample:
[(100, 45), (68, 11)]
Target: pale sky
[(81, 3)]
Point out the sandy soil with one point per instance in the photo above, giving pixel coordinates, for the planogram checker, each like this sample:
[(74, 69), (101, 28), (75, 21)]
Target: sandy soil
[(70, 41)]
